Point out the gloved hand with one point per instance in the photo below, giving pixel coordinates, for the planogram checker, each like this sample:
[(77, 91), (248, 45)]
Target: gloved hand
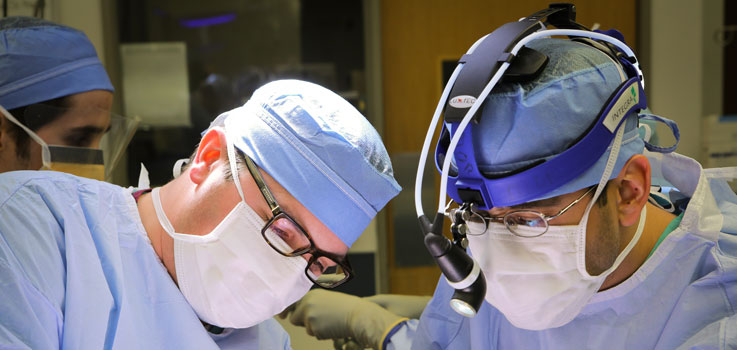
[(410, 306), (330, 315)]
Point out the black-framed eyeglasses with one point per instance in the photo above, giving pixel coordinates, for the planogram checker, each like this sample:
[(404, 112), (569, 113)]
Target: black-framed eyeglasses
[(288, 238), (523, 223)]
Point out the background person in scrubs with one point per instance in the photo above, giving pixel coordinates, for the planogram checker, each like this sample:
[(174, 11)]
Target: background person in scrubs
[(51, 81)]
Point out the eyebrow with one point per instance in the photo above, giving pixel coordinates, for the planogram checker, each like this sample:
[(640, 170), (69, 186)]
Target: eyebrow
[(83, 132), (542, 203), (289, 210), (88, 129)]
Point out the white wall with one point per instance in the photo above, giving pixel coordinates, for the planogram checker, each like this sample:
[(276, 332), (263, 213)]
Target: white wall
[(684, 72), (85, 15)]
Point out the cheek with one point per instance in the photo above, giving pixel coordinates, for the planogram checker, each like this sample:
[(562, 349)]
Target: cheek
[(95, 142), (210, 205), (9, 158), (52, 133), (34, 160), (602, 240), (104, 120)]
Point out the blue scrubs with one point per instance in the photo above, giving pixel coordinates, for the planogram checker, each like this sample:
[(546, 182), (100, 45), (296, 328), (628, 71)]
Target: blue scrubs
[(684, 296), (77, 272)]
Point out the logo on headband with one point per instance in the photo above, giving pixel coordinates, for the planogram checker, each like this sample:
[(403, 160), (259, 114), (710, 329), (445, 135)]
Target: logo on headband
[(623, 104), (462, 101)]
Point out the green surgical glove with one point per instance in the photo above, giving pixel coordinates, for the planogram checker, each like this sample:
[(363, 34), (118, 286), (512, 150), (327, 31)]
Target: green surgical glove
[(334, 315)]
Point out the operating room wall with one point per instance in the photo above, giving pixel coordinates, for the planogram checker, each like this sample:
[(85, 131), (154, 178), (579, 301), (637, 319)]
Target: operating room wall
[(683, 64), (85, 15)]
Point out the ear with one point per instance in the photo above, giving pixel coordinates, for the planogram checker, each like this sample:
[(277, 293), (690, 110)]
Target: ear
[(212, 148), (633, 189)]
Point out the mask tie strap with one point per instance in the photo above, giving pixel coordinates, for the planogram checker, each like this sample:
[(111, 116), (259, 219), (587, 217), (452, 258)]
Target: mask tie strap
[(163, 220), (168, 227), (611, 161), (669, 123), (46, 154), (178, 165), (233, 167)]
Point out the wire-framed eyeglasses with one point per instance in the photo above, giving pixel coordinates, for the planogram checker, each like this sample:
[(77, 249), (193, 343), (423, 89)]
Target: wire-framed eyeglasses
[(288, 238), (523, 223)]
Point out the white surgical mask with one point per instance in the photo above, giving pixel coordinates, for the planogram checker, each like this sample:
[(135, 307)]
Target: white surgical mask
[(540, 282), (231, 277)]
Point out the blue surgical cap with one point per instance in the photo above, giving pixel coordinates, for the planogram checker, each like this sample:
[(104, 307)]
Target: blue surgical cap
[(41, 61), (320, 149), (526, 123)]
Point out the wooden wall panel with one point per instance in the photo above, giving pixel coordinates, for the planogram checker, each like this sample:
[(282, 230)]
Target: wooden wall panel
[(416, 36)]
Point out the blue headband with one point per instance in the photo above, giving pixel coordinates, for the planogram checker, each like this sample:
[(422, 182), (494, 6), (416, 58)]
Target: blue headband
[(532, 122)]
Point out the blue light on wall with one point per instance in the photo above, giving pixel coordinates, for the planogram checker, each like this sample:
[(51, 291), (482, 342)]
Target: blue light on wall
[(207, 21)]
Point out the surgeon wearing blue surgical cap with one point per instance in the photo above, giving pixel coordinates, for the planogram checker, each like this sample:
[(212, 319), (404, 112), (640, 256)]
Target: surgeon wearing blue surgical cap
[(616, 268), (52, 82), (627, 267), (268, 206)]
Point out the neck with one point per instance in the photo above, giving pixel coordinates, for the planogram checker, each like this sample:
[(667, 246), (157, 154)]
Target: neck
[(162, 243), (655, 223)]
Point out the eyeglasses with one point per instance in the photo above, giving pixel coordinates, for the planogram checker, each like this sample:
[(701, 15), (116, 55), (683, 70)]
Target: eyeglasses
[(288, 238), (523, 223)]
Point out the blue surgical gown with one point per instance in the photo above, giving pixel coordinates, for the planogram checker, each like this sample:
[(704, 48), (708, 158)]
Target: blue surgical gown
[(684, 296), (77, 272)]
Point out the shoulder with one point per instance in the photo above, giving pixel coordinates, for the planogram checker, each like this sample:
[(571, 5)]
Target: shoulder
[(32, 239), (44, 182), (40, 211), (45, 200), (19, 189)]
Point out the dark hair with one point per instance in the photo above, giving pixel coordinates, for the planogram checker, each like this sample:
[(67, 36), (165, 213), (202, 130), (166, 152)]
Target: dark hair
[(602, 197), (22, 114), (240, 165)]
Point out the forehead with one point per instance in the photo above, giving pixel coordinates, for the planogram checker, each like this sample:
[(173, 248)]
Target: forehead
[(91, 108), (553, 202), (99, 99), (542, 203)]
